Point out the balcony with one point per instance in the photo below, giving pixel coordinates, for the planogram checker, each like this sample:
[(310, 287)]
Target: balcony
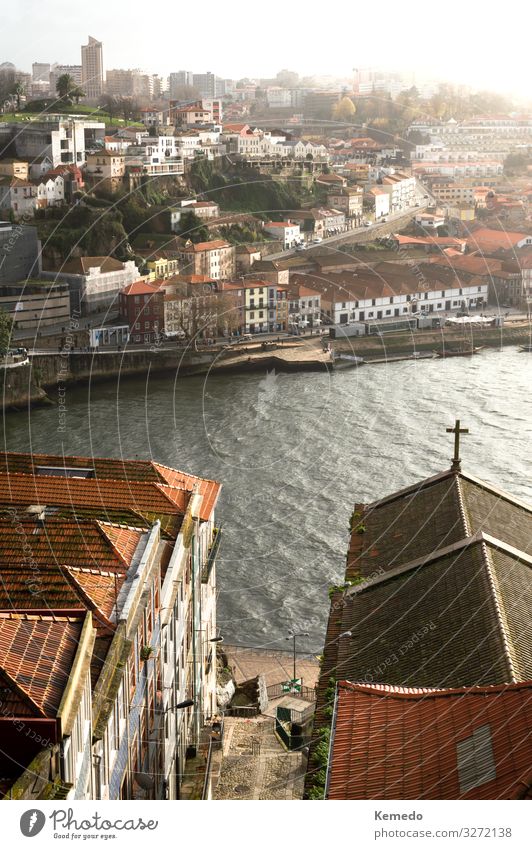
[(211, 556)]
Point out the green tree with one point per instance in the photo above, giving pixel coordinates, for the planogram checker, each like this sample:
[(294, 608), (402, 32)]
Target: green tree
[(191, 227), (6, 327), (67, 89), (18, 90)]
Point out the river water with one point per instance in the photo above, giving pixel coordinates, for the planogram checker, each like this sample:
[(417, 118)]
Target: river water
[(294, 451)]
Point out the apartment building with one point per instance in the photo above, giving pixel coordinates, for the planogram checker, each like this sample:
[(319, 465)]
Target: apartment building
[(127, 690), (215, 259), (53, 140), (92, 75)]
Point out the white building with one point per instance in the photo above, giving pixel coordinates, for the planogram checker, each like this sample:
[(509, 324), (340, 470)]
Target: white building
[(156, 156), (401, 189), (286, 231), (50, 191), (57, 139), (95, 281), (17, 196)]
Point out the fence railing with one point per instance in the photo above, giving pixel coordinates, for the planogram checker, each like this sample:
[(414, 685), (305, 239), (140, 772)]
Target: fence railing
[(277, 690), (243, 711)]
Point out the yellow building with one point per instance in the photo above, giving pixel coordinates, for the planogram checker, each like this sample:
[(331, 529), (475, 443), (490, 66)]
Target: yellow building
[(14, 168)]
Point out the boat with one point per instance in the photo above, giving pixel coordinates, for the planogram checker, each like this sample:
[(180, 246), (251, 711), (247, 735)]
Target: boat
[(348, 360), (526, 349), (460, 352)]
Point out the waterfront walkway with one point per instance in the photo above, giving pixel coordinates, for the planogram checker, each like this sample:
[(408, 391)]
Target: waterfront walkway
[(247, 662)]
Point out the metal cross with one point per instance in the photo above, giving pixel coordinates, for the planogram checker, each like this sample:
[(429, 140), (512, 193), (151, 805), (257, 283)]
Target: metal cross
[(457, 430)]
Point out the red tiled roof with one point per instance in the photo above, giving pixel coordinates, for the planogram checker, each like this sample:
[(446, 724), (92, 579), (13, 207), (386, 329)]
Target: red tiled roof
[(487, 239), (139, 287), (209, 490), (408, 743), (132, 474), (83, 264), (197, 247), (124, 540), (36, 656), (144, 497)]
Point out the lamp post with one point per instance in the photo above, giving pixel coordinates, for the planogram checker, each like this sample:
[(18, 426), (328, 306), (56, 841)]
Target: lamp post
[(293, 636)]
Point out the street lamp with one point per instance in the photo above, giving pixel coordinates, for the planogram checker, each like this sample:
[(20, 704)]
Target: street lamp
[(294, 636)]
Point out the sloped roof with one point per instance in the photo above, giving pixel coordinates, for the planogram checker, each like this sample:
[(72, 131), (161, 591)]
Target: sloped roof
[(104, 468), (449, 557), (405, 743), (144, 497), (139, 287), (83, 264), (64, 564), (36, 655)]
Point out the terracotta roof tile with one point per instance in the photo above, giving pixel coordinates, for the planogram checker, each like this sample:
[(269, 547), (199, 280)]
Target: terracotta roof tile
[(132, 471), (400, 743), (36, 654), (91, 492)]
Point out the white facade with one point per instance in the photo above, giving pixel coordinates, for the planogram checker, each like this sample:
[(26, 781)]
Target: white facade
[(51, 191), (288, 232), (424, 301), (18, 196), (156, 156)]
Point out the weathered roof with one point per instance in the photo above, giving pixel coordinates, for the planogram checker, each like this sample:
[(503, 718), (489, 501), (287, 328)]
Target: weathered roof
[(144, 497), (103, 468), (36, 655), (83, 264), (449, 557), (404, 743)]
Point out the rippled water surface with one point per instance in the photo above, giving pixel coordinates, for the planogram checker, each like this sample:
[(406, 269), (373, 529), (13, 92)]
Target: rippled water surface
[(294, 451)]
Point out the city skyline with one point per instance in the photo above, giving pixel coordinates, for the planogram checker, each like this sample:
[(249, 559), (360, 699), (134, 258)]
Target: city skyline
[(235, 55)]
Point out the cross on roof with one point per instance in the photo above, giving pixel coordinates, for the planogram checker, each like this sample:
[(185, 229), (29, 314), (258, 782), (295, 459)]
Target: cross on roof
[(457, 430)]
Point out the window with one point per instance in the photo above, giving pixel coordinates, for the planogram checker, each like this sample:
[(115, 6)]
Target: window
[(146, 325), (373, 302)]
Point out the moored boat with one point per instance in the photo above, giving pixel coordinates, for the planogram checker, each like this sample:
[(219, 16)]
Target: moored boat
[(461, 352)]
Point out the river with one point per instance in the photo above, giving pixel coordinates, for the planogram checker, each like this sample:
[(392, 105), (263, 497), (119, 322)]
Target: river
[(294, 451)]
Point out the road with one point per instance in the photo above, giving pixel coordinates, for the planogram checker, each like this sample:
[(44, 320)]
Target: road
[(377, 229)]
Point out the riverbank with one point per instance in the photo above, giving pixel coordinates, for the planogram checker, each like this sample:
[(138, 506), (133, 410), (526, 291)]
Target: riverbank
[(39, 381)]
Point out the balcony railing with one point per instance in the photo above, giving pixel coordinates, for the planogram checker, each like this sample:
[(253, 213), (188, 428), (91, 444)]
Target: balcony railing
[(211, 556)]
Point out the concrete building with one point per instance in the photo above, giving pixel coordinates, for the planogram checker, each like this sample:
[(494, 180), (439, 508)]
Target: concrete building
[(20, 253), (92, 73), (156, 156), (34, 303), (288, 232), (40, 72), (260, 307), (348, 200), (216, 259), (141, 305), (14, 168), (18, 197), (391, 290), (53, 140), (94, 281), (106, 169), (56, 71), (178, 80)]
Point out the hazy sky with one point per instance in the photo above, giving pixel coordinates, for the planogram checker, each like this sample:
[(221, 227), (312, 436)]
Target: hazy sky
[(474, 42)]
